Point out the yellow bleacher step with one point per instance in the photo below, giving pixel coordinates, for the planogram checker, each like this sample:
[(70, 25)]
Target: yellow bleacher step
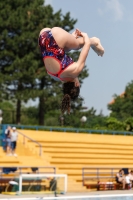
[(90, 156), (78, 172), (86, 145), (92, 166), (88, 161), (86, 151), (47, 135)]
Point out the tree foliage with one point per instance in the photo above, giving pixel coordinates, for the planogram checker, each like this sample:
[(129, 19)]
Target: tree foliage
[(7, 112), (114, 124), (122, 108)]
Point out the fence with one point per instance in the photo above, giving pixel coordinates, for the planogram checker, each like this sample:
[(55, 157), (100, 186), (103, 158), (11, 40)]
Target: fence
[(96, 174), (64, 129), (29, 169)]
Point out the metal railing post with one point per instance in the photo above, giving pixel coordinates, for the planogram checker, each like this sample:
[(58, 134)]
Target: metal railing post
[(40, 153), (23, 139), (83, 176)]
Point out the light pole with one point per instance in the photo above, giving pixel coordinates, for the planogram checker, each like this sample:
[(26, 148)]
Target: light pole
[(83, 119), (1, 116), (62, 120), (0, 123)]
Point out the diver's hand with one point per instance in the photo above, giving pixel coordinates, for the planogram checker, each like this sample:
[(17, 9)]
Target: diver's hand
[(76, 82)]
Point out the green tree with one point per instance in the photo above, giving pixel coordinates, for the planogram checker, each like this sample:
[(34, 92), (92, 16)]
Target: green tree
[(8, 111), (94, 120), (129, 124), (29, 116), (18, 50), (114, 124), (122, 107)]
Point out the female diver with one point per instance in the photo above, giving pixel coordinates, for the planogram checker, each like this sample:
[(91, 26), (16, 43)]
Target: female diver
[(54, 43)]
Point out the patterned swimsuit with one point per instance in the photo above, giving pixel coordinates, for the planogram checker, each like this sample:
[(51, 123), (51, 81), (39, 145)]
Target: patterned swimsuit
[(49, 48)]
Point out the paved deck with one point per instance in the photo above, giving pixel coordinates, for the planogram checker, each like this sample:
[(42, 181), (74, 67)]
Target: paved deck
[(89, 193)]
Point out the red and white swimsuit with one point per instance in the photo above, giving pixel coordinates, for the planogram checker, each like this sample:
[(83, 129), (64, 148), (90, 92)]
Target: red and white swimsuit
[(49, 48)]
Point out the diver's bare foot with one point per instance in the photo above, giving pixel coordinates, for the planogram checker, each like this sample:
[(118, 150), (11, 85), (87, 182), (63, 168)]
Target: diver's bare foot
[(96, 46), (76, 33)]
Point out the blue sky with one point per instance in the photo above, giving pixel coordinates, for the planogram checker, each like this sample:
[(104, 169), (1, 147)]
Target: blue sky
[(112, 22)]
